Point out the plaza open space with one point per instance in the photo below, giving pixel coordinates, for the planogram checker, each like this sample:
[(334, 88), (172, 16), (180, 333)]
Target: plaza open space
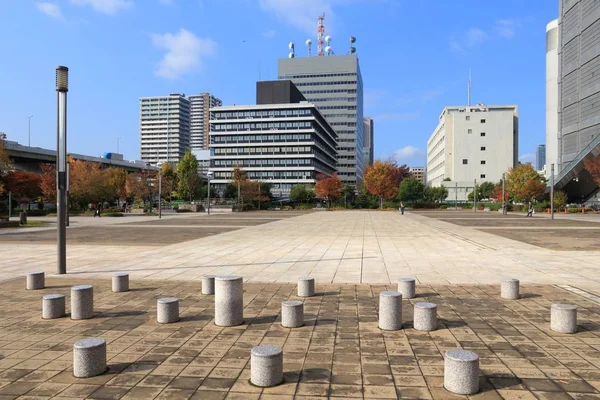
[(458, 259)]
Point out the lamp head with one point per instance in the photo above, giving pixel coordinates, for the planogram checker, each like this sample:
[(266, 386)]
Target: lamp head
[(62, 79)]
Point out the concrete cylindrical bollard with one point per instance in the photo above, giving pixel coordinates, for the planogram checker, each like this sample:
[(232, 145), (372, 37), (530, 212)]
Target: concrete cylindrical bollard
[(461, 372), (563, 318), (509, 289), (229, 300), (89, 357), (120, 282), (390, 311), (306, 287), (208, 284), (266, 366), (167, 310), (53, 306), (425, 317), (36, 280), (82, 302), (292, 314), (406, 287)]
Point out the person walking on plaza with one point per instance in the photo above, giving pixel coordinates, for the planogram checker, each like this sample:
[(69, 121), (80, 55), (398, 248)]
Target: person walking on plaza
[(402, 208)]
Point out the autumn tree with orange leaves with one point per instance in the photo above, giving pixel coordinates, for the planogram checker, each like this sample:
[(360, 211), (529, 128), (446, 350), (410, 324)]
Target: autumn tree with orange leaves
[(24, 185), (592, 165), (48, 183), (328, 188), (524, 183), (383, 178)]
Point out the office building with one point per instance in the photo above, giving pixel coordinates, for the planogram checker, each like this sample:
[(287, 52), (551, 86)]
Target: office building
[(540, 157), (203, 158), (164, 128), (419, 173), (368, 143), (284, 144), (551, 156), (472, 143), (579, 96), (199, 119), (334, 84)]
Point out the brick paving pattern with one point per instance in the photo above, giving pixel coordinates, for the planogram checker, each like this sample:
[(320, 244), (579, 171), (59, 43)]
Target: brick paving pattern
[(339, 353)]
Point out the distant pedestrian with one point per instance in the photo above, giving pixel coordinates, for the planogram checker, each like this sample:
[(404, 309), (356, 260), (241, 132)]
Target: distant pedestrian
[(402, 208), (530, 211)]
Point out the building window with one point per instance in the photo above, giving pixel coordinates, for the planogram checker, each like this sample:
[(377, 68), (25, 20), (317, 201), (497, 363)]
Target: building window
[(482, 176), (465, 162), (482, 162), (482, 148), (469, 130), (468, 118), (482, 134), (483, 121)]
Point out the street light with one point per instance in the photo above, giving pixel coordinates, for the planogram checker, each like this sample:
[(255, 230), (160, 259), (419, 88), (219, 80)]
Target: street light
[(208, 176), (29, 130), (552, 191), (62, 87), (503, 195)]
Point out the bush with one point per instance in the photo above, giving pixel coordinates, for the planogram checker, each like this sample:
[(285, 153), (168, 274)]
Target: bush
[(182, 210), (287, 208), (541, 206), (112, 214), (444, 206), (304, 207), (112, 209), (37, 213)]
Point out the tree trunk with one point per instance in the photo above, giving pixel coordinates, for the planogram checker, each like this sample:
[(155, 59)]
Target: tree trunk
[(381, 202)]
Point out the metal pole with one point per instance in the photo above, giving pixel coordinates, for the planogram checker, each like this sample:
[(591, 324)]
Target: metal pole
[(68, 191), (503, 195), (159, 194), (474, 195), (61, 167), (456, 195), (9, 205), (258, 195), (208, 205), (552, 191)]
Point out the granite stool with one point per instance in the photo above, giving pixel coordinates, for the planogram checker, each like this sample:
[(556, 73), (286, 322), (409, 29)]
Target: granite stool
[(406, 287), (167, 310), (229, 300), (425, 317), (120, 282), (292, 314), (208, 284), (36, 280), (266, 366), (53, 306), (306, 287), (82, 302), (509, 289), (461, 372), (563, 318), (89, 357), (390, 311)]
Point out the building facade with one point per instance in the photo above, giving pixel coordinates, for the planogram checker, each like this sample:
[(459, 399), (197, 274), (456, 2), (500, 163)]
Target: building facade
[(540, 157), (334, 85), (164, 128), (551, 96), (472, 143), (419, 173), (368, 141), (283, 144), (199, 119)]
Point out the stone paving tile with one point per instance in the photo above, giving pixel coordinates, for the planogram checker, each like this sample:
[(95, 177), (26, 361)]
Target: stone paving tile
[(339, 353)]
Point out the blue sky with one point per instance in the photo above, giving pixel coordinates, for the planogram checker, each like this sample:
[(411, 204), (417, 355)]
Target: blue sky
[(415, 56)]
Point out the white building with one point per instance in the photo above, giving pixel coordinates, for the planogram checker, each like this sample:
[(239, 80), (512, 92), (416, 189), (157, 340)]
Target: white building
[(472, 143), (164, 128), (199, 119), (551, 96)]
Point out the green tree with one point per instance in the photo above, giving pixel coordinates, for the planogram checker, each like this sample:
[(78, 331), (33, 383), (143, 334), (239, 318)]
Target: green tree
[(169, 181), (560, 200), (301, 194), (189, 180), (524, 184), (485, 190), (411, 190), (435, 194)]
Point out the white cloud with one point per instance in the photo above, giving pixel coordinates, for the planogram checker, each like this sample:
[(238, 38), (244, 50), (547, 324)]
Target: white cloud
[(50, 9), (269, 34), (527, 158), (475, 37), (105, 6), (506, 28), (184, 52), (406, 152)]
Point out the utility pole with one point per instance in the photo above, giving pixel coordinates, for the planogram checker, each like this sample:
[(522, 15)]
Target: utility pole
[(68, 190), (9, 205), (258, 195), (456, 195), (62, 87), (503, 195), (159, 193), (552, 191), (474, 195), (208, 175)]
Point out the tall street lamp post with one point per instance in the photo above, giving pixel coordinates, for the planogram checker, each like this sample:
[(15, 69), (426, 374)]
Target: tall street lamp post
[(68, 190), (159, 193), (62, 87), (503, 195), (552, 191), (208, 175), (29, 130)]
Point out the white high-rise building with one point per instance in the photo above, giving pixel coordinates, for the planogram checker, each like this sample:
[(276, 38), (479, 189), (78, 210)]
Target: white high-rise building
[(472, 143), (164, 128), (199, 119), (551, 96)]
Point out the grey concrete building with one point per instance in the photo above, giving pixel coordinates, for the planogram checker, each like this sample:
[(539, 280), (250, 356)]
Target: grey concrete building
[(199, 119), (334, 84), (368, 141), (551, 96), (164, 128), (419, 173), (579, 95), (540, 157)]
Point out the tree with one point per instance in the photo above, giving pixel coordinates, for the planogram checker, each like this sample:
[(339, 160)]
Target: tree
[(48, 183), (496, 194), (411, 190), (4, 163), (524, 184), (592, 165), (89, 183), (560, 200), (301, 194), (169, 178), (24, 185), (140, 185), (382, 179), (115, 183), (238, 176), (187, 172), (485, 190), (328, 188), (435, 194)]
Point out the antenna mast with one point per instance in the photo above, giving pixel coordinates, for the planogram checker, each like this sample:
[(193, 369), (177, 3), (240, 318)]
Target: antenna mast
[(469, 90), (320, 35)]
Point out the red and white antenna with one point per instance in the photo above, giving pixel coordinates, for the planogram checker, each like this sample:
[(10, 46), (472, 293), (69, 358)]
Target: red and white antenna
[(321, 35)]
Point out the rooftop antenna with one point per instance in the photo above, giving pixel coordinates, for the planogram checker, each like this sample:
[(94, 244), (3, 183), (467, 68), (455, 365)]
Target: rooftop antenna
[(320, 35), (308, 44), (328, 48), (469, 90), (352, 48), (292, 51)]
